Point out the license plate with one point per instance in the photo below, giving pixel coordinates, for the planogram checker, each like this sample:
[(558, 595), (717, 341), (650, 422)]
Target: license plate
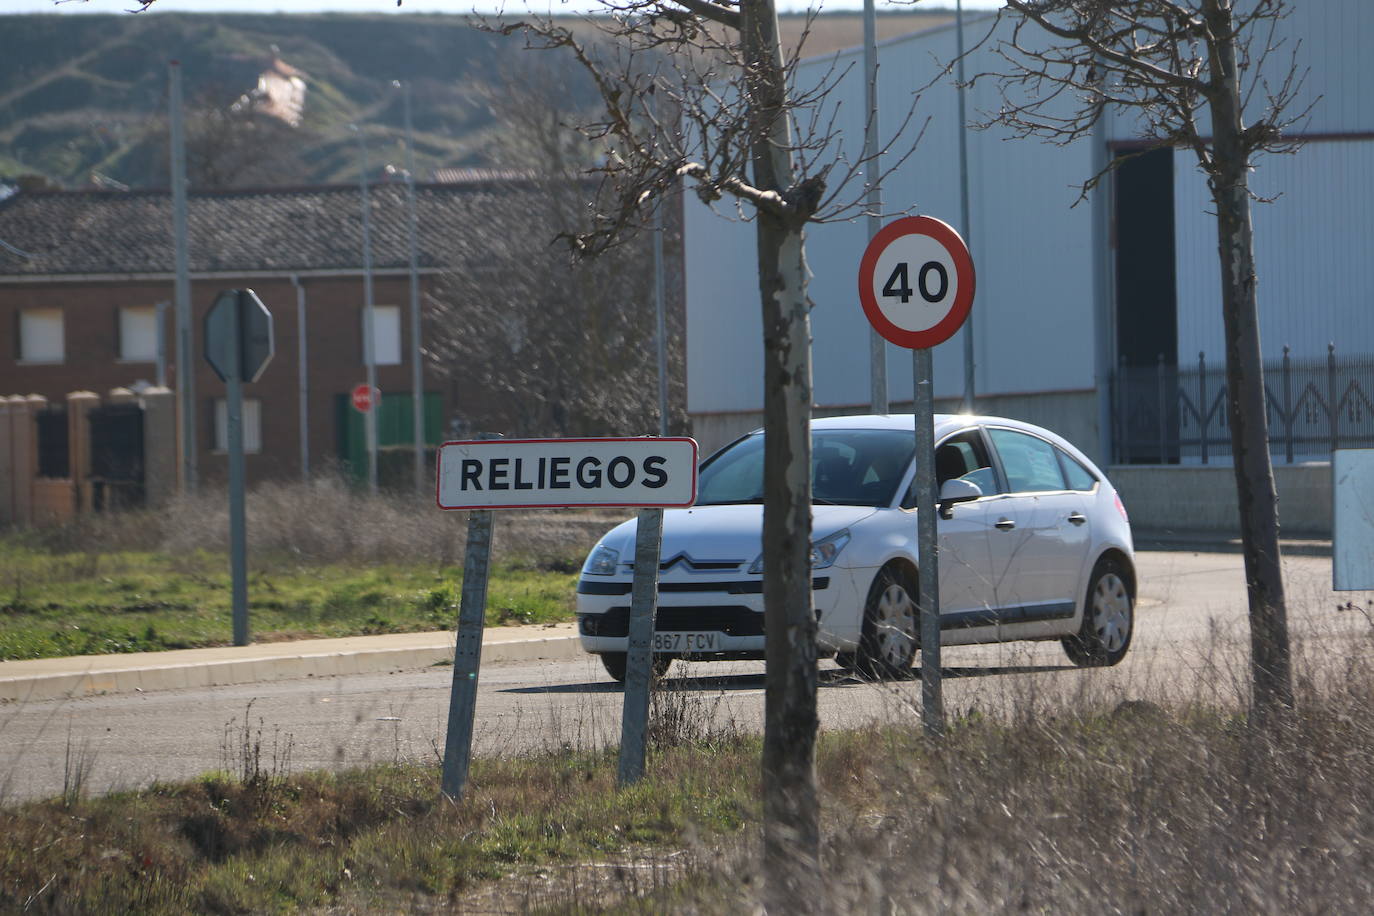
[(687, 642)]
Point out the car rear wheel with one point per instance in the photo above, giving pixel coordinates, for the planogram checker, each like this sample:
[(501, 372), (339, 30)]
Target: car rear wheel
[(615, 665), (1108, 619), (891, 618)]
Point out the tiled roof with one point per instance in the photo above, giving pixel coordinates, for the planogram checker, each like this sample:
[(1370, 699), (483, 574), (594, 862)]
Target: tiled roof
[(304, 229), (477, 173)]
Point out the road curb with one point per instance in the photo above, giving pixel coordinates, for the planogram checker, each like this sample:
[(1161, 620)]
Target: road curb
[(105, 674), (1207, 542)]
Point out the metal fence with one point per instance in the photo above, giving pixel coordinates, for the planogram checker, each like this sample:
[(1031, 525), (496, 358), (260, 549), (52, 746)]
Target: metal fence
[(1166, 414)]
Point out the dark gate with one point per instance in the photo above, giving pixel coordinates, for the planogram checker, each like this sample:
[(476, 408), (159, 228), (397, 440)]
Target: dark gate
[(116, 456), (53, 449)]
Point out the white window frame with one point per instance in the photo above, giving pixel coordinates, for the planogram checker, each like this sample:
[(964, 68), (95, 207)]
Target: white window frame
[(386, 335), (34, 326), (252, 426), (138, 324)]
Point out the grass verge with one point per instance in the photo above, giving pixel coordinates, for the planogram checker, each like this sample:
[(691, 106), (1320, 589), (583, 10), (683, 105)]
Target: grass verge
[(144, 602), (324, 561)]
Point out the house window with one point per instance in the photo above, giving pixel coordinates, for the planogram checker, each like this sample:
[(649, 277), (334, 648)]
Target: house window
[(138, 333), (386, 334), (252, 425), (40, 336)]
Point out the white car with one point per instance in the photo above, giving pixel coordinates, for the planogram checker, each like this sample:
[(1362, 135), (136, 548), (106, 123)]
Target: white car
[(1034, 544)]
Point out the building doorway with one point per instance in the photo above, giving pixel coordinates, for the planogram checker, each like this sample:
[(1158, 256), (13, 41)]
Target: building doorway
[(1146, 310)]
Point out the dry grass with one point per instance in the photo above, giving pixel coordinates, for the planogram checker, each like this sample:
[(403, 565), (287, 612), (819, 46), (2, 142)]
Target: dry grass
[(364, 841), (326, 521), (1068, 803), (1077, 801)]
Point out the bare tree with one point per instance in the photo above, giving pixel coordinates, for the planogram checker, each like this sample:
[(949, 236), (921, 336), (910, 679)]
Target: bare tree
[(542, 346), (1196, 75), (541, 343), (700, 91)]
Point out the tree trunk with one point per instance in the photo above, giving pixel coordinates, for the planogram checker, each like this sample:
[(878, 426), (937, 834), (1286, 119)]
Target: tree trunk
[(791, 808), (791, 831), (1255, 489)]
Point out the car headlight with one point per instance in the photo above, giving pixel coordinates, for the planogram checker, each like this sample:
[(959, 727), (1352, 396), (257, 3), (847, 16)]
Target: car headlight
[(823, 552), (602, 561)]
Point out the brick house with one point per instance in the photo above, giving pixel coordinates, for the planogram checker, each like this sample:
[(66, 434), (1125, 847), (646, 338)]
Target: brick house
[(86, 282)]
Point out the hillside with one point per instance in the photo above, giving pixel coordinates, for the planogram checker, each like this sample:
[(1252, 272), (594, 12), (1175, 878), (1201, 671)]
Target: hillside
[(87, 94)]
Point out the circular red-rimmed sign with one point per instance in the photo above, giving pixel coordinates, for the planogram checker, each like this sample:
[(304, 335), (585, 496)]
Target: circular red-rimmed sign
[(916, 282), (364, 397)]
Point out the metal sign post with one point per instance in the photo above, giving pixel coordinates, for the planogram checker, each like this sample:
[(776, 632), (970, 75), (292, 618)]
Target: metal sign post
[(185, 373), (639, 660), (484, 474), (916, 285), (927, 545), (238, 345), (238, 524), (467, 654)]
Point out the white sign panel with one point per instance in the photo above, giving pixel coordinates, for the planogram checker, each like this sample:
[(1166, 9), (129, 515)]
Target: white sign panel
[(1352, 545), (562, 473)]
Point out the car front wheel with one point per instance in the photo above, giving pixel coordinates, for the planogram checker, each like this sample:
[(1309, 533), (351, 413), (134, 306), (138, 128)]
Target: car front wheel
[(889, 640), (1108, 619)]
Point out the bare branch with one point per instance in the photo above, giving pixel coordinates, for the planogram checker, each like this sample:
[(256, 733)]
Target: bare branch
[(712, 11), (1135, 57)]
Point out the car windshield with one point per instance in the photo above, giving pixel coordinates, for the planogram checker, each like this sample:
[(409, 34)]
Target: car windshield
[(849, 467)]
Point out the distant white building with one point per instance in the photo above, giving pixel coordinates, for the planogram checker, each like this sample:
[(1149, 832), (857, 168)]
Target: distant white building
[(1069, 295), (281, 92)]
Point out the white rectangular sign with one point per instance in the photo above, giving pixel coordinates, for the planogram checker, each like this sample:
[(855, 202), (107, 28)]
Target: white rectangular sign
[(562, 473), (1352, 544)]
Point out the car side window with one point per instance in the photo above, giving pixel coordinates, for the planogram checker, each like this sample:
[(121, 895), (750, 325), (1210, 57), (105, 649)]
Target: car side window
[(1078, 477), (1029, 462), (961, 456)]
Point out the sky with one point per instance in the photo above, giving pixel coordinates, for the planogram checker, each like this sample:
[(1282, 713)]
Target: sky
[(409, 6)]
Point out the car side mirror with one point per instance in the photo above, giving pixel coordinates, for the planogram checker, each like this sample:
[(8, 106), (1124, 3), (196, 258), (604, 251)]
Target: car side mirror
[(954, 491)]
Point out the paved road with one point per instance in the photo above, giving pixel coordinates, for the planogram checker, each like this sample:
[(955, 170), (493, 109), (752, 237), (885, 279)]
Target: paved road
[(1190, 637)]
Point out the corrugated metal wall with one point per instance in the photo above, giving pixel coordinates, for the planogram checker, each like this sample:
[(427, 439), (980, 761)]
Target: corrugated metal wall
[(1312, 249), (1035, 316)]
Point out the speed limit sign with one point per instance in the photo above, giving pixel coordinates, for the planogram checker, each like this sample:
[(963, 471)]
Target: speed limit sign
[(916, 282)]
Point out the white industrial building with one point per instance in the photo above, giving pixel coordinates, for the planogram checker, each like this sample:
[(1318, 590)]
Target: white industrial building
[(1068, 295)]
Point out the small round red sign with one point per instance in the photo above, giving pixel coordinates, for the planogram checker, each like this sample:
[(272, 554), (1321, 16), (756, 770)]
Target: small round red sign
[(364, 397)]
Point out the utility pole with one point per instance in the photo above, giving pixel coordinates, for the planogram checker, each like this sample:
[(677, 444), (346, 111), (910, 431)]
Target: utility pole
[(369, 319), (160, 316), (964, 228), (302, 377), (660, 312), (186, 398), (417, 391), (877, 346)]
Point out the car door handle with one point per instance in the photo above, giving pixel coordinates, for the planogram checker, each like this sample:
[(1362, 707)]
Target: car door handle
[(1005, 524), (1078, 518)]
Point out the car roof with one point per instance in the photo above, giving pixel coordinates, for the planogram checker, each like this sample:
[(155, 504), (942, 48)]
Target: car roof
[(945, 423)]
